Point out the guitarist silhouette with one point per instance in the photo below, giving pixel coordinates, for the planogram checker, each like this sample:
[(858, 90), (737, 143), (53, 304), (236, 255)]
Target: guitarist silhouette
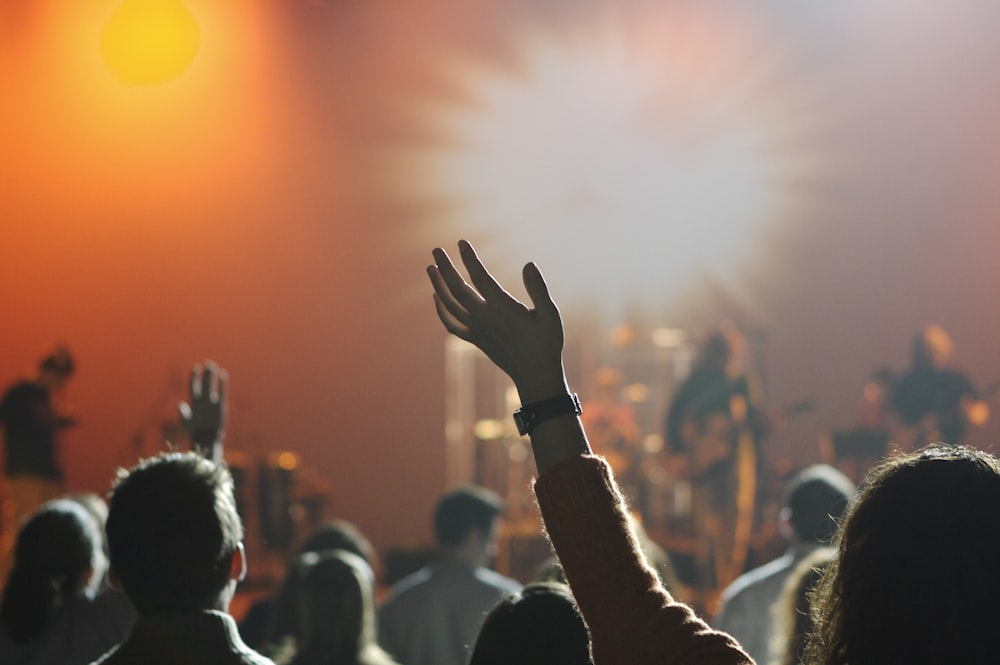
[(713, 428), (933, 401)]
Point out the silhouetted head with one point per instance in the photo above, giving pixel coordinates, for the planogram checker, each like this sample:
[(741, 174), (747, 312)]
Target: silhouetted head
[(174, 535), (55, 368), (336, 610), (540, 625), (57, 555), (932, 348), (467, 518), (915, 579), (815, 500), (340, 535), (724, 349)]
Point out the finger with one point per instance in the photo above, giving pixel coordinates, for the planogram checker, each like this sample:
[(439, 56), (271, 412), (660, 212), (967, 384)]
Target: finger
[(196, 381), (451, 324), (221, 384), (480, 276), (185, 410), (538, 291), (460, 290), (207, 377), (443, 294)]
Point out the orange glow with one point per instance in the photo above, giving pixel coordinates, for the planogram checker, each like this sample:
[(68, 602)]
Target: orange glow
[(150, 42)]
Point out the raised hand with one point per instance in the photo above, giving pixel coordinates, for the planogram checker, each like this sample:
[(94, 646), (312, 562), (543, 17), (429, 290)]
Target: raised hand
[(204, 416), (524, 342)]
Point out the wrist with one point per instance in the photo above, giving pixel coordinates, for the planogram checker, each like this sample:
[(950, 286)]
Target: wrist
[(541, 386)]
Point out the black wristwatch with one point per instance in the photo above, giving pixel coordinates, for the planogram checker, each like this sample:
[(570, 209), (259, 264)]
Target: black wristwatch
[(530, 416)]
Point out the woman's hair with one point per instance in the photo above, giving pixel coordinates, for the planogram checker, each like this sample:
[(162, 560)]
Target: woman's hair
[(915, 579), (792, 621), (336, 611), (539, 625), (56, 550)]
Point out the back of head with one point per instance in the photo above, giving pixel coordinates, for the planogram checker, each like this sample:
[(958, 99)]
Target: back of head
[(336, 610), (172, 530), (816, 498), (55, 551), (463, 510), (339, 535), (540, 625), (915, 579)]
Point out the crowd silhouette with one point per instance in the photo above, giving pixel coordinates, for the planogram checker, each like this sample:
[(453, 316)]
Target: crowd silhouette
[(901, 570)]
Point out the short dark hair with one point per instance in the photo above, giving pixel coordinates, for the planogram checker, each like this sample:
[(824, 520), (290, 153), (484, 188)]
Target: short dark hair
[(463, 510), (172, 530), (817, 498)]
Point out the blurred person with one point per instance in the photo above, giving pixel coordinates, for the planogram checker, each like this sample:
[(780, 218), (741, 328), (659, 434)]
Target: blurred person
[(32, 423), (933, 401), (47, 614), (631, 617), (814, 501), (539, 625), (336, 612), (915, 578), (432, 616), (715, 423), (270, 620), (612, 424)]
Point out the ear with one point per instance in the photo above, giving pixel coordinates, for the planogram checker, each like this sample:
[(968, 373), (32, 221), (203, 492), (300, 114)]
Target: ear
[(785, 528), (238, 564)]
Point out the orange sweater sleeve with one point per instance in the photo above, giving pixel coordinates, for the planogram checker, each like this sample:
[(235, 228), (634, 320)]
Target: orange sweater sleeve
[(632, 619)]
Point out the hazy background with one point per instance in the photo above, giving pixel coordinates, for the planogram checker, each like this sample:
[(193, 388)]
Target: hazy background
[(824, 174)]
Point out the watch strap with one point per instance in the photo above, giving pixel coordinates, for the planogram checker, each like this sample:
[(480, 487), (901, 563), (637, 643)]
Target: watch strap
[(530, 416)]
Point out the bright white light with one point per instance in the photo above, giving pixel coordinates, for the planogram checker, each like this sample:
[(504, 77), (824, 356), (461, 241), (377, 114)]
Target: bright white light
[(626, 162)]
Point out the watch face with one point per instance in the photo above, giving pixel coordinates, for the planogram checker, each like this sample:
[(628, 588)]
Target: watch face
[(523, 420)]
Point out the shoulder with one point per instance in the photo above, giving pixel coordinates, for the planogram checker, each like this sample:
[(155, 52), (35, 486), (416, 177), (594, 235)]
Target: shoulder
[(497, 581), (754, 581)]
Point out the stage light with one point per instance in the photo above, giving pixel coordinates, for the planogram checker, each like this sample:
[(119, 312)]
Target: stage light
[(150, 42), (632, 158)]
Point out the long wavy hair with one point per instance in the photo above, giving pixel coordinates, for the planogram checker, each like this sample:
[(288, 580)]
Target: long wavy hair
[(916, 578), (56, 549)]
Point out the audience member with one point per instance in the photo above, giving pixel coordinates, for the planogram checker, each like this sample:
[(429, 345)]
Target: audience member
[(915, 579), (175, 541), (792, 622), (336, 613), (631, 617), (47, 613), (432, 616), (540, 625), (271, 619), (814, 501), (32, 422)]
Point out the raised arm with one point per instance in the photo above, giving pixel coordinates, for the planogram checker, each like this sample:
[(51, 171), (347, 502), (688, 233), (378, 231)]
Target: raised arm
[(204, 415), (631, 617)]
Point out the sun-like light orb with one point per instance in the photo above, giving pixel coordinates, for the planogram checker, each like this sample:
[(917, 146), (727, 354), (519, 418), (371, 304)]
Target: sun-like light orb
[(629, 158), (150, 42)]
